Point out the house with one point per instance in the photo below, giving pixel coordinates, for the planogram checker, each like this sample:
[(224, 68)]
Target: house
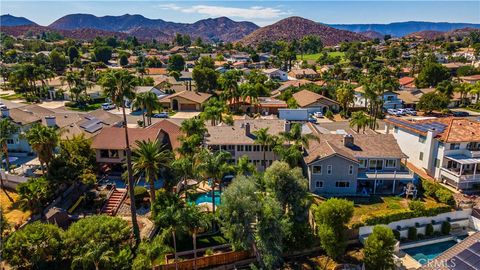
[(239, 139), (303, 73), (348, 164), (448, 149), (390, 99), (276, 74), (109, 145), (240, 57), (143, 89), (472, 79), (263, 105), (452, 67), (315, 102), (24, 121), (406, 82), (185, 101)]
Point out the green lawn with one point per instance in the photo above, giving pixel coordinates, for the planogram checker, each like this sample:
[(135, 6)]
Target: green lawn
[(11, 96), (315, 56), (89, 107), (202, 242)]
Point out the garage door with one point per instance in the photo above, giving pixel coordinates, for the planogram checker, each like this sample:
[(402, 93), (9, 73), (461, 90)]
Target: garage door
[(188, 107)]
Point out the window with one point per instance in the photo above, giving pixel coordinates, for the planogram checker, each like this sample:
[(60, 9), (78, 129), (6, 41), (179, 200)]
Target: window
[(350, 169), (395, 129), (391, 163), (342, 184), (317, 169), (104, 153), (329, 169), (240, 148), (454, 146), (420, 156), (248, 148), (108, 153), (256, 148), (10, 141), (422, 138), (362, 163), (318, 184), (437, 163), (375, 164)]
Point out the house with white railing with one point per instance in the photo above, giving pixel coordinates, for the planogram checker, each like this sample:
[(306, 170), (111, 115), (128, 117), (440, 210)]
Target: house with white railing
[(448, 149)]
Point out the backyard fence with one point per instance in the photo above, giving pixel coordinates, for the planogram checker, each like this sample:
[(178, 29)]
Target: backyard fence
[(207, 261)]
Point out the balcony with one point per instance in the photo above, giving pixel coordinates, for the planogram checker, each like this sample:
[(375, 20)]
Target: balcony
[(457, 176), (402, 175)]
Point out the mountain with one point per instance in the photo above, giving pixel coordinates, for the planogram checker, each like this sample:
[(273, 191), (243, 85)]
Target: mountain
[(433, 35), (221, 28), (82, 34), (9, 20), (400, 29), (296, 28), (372, 34), (427, 35)]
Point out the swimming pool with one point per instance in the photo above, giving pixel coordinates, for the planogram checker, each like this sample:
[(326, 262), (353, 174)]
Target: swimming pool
[(424, 254), (122, 184), (207, 197)]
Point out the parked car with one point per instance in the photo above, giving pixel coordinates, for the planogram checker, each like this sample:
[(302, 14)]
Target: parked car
[(3, 106), (392, 112), (460, 114), (108, 106), (410, 111), (401, 112), (312, 120), (160, 115), (318, 114)]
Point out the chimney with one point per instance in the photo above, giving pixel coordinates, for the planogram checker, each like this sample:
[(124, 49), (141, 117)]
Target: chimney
[(348, 140), (287, 126), (51, 121), (5, 112), (247, 129)]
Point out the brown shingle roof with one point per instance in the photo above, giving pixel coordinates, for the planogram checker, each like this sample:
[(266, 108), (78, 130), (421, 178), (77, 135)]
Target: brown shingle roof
[(114, 138), (22, 117), (171, 129), (306, 97), (365, 146), (196, 97), (236, 134)]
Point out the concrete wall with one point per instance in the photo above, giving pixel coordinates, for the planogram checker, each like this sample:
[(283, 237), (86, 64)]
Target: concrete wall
[(340, 172)]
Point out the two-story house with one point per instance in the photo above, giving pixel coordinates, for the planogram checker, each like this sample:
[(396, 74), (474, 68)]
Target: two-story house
[(348, 164), (239, 139), (390, 99), (448, 149)]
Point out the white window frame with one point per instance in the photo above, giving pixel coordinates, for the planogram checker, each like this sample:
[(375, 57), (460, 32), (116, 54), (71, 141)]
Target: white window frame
[(388, 166)]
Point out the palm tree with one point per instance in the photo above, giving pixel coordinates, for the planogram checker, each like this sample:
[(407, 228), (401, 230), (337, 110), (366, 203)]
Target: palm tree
[(149, 158), (172, 217), (229, 83), (359, 120), (43, 141), (463, 89), (213, 166), (140, 103), (151, 104), (475, 90), (244, 167), (97, 254), (295, 135), (7, 129), (185, 168), (194, 219), (345, 96), (213, 111), (265, 140), (155, 248), (119, 85), (193, 126), (291, 154)]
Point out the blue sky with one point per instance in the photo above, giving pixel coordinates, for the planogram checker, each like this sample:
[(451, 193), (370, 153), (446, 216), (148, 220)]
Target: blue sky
[(260, 12)]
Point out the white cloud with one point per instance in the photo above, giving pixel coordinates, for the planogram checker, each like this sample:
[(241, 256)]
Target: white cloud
[(254, 12)]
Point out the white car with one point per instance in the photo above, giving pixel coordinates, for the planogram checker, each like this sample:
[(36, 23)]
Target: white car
[(392, 112), (410, 111), (401, 112), (108, 106), (318, 114)]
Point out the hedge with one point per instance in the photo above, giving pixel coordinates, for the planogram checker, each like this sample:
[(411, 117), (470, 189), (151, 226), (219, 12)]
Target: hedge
[(438, 192)]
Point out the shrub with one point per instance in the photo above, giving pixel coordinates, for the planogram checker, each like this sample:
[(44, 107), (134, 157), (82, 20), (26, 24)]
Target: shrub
[(140, 193), (416, 206), (429, 188), (412, 233), (444, 195), (429, 230), (446, 227), (396, 233), (329, 114), (420, 236)]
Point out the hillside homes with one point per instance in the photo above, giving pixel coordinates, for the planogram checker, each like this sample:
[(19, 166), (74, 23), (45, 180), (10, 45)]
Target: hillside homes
[(447, 149)]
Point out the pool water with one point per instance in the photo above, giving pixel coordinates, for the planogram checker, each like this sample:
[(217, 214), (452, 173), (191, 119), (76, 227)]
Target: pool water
[(426, 253), (207, 197), (122, 184)]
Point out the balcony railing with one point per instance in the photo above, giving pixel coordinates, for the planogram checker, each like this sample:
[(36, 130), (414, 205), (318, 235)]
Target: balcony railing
[(466, 176), (385, 175)]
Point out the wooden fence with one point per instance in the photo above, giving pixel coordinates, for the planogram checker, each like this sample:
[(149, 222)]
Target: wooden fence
[(207, 261)]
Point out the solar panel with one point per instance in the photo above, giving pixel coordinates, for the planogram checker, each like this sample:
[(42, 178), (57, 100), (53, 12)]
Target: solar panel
[(468, 258), (91, 121), (94, 128)]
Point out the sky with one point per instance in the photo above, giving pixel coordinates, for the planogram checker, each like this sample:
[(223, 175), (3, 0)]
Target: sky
[(260, 12)]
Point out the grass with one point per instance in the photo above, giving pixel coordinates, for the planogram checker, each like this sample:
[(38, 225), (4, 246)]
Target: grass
[(202, 242), (315, 56), (471, 108), (11, 96), (89, 107), (14, 214)]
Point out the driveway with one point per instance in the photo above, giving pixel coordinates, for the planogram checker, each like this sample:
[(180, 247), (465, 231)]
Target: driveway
[(55, 104), (185, 115), (472, 113)]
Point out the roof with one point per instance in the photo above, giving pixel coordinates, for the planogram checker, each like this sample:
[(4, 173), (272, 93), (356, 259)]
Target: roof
[(263, 102), (171, 129), (271, 70), (471, 78), (303, 71), (385, 146), (448, 129), (236, 134), (22, 117), (156, 71), (114, 137), (197, 97), (293, 83), (408, 97), (306, 97), (406, 80)]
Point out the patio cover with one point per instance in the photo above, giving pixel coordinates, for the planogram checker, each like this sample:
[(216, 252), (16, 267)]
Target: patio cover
[(462, 159)]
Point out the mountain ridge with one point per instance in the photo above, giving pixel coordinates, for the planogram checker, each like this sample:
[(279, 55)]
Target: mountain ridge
[(10, 20)]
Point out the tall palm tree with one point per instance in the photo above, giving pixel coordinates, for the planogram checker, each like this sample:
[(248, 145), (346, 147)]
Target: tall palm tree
[(140, 103), (194, 220), (172, 217), (149, 158), (244, 167), (119, 85), (359, 120), (213, 166), (345, 96), (185, 168), (155, 248), (7, 129), (265, 140), (151, 104), (213, 111), (229, 83), (193, 126), (291, 154), (295, 135), (43, 141)]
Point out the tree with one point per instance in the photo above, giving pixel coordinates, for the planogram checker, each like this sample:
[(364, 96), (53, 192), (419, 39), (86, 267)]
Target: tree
[(379, 248), (43, 141), (96, 240), (228, 81), (332, 216), (194, 220), (149, 159), (7, 130), (103, 54), (118, 85), (176, 63), (244, 167), (431, 74), (57, 61), (359, 120), (345, 96), (266, 141), (205, 78), (213, 110), (433, 102), (311, 44), (36, 246), (123, 60), (73, 54), (290, 154), (147, 102), (149, 251), (35, 193)]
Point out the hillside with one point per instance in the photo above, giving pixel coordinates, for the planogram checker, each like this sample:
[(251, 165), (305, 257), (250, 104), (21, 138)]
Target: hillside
[(372, 34), (426, 35), (432, 35), (296, 28), (9, 20), (400, 29), (209, 29), (82, 34)]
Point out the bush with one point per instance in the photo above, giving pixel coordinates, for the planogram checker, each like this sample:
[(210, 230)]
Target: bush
[(420, 236), (329, 114), (140, 193), (446, 227), (444, 195), (429, 188), (396, 233), (429, 230), (412, 233), (417, 207)]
